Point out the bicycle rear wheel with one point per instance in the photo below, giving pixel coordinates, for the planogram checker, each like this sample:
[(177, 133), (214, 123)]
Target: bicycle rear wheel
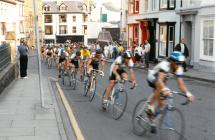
[(172, 125), (120, 100), (92, 89), (74, 80), (140, 120)]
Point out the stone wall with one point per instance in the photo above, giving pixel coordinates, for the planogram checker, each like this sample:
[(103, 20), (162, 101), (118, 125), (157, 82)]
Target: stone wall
[(8, 75)]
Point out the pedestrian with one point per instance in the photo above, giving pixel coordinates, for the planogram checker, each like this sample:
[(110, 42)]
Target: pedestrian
[(138, 52), (182, 47), (23, 51), (147, 47)]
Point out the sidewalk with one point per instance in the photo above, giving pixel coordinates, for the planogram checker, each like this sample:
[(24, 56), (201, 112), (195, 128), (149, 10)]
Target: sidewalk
[(191, 73), (21, 117)]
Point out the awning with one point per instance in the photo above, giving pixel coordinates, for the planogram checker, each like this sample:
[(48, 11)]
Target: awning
[(146, 19)]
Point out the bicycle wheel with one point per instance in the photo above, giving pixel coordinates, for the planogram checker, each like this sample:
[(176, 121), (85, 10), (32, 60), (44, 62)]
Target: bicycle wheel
[(86, 87), (140, 120), (172, 125), (70, 78), (62, 76), (74, 80), (92, 89), (120, 99)]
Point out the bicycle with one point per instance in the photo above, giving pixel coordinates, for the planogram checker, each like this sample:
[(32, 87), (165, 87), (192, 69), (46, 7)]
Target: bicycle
[(72, 77), (163, 119), (90, 85), (84, 74), (118, 99)]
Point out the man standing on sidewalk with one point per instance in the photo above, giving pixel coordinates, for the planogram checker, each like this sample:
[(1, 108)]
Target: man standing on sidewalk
[(147, 52), (23, 51), (182, 47)]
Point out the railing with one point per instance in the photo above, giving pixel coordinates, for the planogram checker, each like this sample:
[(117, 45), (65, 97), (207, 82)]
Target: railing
[(5, 56)]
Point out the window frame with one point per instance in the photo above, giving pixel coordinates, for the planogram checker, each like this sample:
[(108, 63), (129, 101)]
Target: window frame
[(135, 5), (63, 7), (60, 21), (65, 29), (168, 6), (47, 8), (51, 30), (202, 46), (74, 18), (46, 20), (74, 29)]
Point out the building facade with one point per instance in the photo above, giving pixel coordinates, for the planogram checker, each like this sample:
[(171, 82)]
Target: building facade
[(11, 19), (198, 29), (155, 21), (64, 20)]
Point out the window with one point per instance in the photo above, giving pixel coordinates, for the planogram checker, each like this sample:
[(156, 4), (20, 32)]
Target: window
[(2, 28), (62, 18), (63, 7), (73, 29), (85, 18), (153, 5), (134, 6), (48, 30), (46, 8), (167, 4), (48, 18), (85, 29), (163, 39), (74, 18), (63, 29), (21, 10), (145, 5), (21, 27), (208, 38)]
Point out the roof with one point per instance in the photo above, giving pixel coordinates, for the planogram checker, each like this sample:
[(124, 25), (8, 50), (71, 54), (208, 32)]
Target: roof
[(72, 7)]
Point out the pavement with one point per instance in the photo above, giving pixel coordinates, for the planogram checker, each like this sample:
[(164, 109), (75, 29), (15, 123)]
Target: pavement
[(21, 115), (192, 73)]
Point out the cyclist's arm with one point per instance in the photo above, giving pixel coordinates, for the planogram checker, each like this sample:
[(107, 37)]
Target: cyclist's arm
[(160, 80)]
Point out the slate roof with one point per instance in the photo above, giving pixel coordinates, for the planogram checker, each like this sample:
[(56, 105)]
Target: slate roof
[(72, 7)]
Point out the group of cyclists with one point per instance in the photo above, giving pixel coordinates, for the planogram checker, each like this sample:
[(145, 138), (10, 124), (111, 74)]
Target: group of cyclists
[(156, 77)]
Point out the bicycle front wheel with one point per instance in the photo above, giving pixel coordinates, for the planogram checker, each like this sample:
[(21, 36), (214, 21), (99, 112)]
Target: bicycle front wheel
[(120, 100), (140, 120), (73, 80), (172, 125), (92, 90)]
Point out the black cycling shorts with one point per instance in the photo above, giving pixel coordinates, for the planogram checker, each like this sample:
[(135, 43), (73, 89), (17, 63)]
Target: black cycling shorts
[(62, 59), (119, 71), (75, 63), (95, 64)]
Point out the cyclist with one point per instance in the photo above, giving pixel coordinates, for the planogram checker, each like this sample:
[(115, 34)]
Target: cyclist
[(157, 80), (95, 59), (49, 54), (75, 59), (85, 55), (117, 72), (62, 58)]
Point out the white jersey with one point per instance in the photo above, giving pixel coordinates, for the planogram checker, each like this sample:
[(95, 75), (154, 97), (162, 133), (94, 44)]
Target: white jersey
[(163, 66), (120, 61)]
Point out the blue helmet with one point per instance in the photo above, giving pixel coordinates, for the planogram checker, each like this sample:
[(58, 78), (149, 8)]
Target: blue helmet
[(177, 57)]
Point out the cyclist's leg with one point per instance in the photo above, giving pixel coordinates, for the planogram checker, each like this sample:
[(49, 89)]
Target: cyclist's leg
[(109, 88)]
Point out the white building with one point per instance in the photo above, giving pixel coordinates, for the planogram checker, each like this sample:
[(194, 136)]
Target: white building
[(198, 29), (11, 18), (65, 20)]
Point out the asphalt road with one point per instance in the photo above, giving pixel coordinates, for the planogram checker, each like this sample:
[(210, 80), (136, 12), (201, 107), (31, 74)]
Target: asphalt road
[(98, 125)]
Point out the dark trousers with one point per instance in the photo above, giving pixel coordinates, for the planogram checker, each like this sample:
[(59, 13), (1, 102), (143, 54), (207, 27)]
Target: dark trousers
[(184, 66), (23, 65), (147, 60)]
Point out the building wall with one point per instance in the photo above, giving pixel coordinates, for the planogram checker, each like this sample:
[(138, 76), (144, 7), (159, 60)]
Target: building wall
[(29, 21)]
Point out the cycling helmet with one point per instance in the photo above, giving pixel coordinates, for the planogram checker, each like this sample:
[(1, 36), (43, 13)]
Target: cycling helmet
[(127, 54), (78, 53), (177, 57), (98, 51)]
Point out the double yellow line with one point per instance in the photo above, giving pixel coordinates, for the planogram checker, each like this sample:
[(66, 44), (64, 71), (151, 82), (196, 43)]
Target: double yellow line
[(73, 121)]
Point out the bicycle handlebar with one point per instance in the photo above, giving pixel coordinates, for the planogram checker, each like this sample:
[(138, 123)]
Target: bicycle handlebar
[(181, 94), (101, 72), (124, 80)]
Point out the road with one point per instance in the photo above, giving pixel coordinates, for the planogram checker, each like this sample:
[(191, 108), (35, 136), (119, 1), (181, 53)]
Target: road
[(98, 125)]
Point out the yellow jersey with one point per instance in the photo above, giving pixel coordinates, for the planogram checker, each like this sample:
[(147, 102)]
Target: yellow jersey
[(85, 54)]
